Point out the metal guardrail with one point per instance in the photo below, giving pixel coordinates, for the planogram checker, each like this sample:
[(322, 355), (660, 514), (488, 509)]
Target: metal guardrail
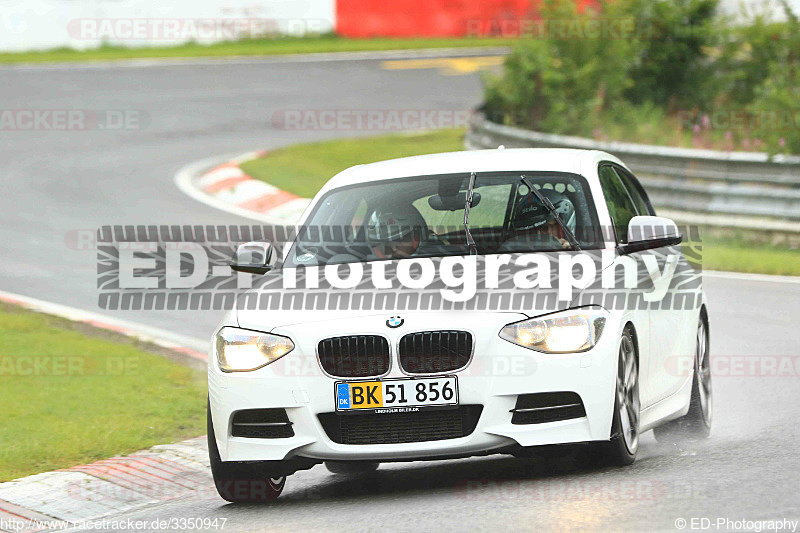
[(741, 184)]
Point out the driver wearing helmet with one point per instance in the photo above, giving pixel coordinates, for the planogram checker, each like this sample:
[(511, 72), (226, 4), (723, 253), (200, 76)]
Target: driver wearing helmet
[(533, 222), (395, 233)]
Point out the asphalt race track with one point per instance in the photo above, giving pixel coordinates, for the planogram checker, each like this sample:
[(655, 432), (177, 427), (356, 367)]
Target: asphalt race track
[(58, 181)]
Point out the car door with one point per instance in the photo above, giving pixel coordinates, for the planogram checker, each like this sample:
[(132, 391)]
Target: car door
[(622, 208), (671, 322)]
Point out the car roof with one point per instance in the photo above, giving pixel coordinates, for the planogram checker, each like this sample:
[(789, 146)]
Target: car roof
[(515, 159)]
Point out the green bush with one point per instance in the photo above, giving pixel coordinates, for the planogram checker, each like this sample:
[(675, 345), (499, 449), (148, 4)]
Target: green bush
[(561, 83), (671, 69), (745, 56), (775, 107), (665, 82)]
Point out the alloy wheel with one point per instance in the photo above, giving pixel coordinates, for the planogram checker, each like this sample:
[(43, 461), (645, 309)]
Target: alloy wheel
[(704, 374), (628, 394)]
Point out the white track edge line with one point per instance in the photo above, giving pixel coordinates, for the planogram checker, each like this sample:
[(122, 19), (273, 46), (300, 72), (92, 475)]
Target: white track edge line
[(745, 276), (145, 333)]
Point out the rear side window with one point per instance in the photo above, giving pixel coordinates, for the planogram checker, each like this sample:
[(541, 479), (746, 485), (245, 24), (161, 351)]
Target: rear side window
[(620, 206), (636, 191)]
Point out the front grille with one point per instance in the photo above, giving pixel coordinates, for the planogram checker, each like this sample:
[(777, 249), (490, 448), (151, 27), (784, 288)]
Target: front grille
[(262, 424), (431, 352), (397, 428), (547, 407), (356, 356)]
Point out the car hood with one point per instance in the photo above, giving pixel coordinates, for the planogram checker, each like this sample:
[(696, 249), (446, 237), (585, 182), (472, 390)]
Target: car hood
[(265, 308), (266, 320)]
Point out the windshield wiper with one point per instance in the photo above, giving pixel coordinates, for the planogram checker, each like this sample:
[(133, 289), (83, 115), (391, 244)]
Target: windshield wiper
[(551, 208), (473, 249)]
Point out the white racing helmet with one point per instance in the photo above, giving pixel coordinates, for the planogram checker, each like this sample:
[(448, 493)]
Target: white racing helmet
[(531, 214)]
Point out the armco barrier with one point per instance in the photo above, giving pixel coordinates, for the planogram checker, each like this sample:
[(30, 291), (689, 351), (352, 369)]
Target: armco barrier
[(748, 189)]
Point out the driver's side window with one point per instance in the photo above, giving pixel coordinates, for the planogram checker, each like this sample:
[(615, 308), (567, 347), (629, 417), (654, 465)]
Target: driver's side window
[(619, 203)]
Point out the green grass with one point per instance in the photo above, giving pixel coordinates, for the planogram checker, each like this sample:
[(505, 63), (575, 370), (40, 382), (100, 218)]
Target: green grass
[(304, 168), (735, 256), (94, 398), (249, 47)]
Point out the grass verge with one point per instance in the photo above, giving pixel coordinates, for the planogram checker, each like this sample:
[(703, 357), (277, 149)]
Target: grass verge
[(249, 47), (736, 256), (304, 168), (74, 394)]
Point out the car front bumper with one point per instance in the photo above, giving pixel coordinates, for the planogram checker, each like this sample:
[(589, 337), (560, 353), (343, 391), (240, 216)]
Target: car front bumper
[(498, 373)]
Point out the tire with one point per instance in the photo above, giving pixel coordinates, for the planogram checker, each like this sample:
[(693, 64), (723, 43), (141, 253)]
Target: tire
[(351, 467), (241, 482), (695, 425), (621, 449)]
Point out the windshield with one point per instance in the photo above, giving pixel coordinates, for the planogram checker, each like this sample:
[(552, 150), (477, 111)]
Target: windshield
[(424, 217)]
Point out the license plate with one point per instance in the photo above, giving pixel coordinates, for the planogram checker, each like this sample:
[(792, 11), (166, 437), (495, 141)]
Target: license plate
[(396, 393)]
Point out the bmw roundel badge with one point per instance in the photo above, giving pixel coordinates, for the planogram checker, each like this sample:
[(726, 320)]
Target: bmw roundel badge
[(395, 322)]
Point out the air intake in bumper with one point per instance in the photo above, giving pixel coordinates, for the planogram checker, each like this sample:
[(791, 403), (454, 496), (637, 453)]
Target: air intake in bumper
[(262, 424), (547, 407), (398, 428)]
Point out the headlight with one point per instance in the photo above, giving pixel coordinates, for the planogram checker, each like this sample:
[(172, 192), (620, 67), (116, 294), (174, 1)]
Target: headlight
[(575, 330), (241, 350)]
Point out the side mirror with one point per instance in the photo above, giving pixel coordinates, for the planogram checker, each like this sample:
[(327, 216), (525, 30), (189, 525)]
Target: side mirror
[(647, 233), (253, 257)]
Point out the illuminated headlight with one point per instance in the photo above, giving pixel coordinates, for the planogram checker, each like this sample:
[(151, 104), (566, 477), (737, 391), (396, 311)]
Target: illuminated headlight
[(575, 330), (241, 350)]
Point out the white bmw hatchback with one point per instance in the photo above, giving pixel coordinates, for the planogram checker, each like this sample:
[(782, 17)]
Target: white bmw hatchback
[(460, 304)]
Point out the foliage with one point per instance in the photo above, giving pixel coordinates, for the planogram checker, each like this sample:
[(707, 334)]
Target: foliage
[(683, 76), (745, 56), (775, 109), (562, 83), (672, 64)]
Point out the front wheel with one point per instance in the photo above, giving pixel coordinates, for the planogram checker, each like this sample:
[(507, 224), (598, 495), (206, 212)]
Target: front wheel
[(241, 482), (696, 424), (624, 443)]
